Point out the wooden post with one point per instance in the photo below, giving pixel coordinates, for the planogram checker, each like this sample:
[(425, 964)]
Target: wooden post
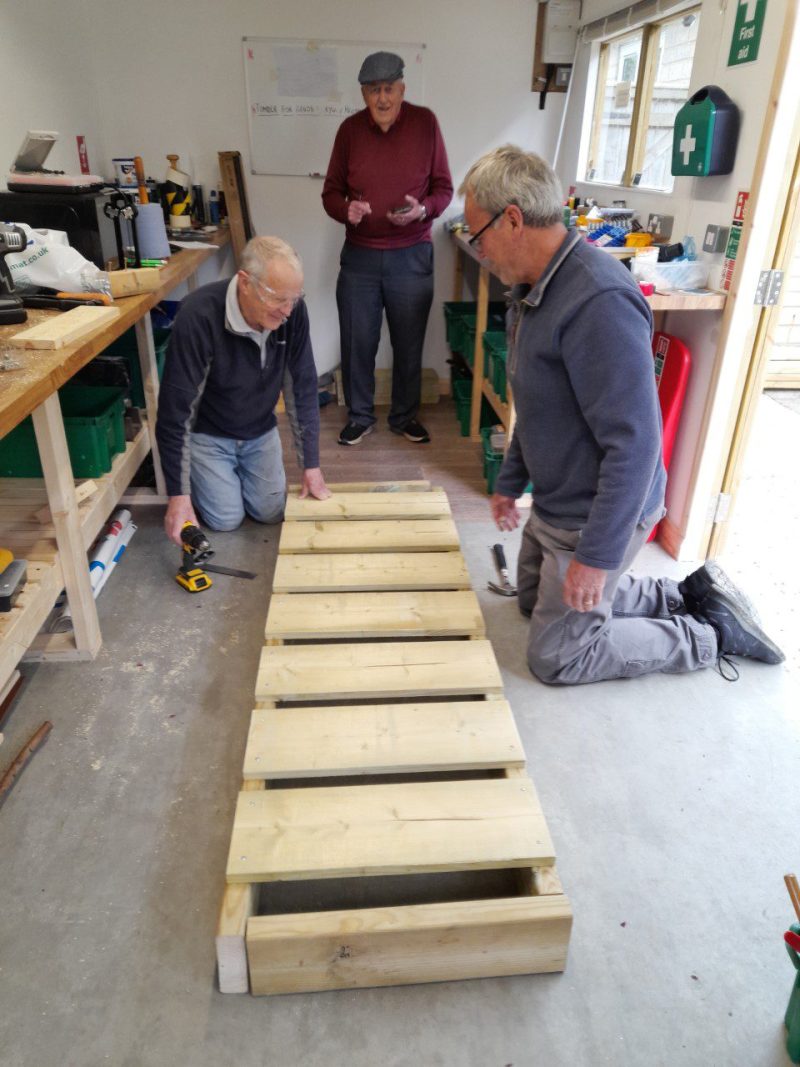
[(477, 367), (147, 361), (52, 441)]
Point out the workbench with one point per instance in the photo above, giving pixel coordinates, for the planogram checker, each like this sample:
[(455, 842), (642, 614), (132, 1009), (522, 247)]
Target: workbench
[(659, 302), (56, 550)]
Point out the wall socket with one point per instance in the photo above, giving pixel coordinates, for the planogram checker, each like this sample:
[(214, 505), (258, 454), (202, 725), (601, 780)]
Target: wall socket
[(660, 226)]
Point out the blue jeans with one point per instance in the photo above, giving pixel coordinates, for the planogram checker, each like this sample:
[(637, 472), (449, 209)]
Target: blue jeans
[(232, 478), (399, 280)]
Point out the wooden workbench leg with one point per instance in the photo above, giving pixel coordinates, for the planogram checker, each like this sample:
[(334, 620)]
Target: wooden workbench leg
[(52, 441), (147, 361), (458, 280), (477, 366)]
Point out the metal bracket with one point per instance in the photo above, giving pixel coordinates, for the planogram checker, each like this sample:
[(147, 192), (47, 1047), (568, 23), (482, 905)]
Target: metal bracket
[(769, 286)]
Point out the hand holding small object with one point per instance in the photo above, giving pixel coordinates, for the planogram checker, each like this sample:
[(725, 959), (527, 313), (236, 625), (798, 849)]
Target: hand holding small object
[(356, 210), (411, 211)]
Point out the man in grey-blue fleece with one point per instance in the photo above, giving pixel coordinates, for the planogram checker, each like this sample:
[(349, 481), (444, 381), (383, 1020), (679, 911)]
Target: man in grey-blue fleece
[(588, 436)]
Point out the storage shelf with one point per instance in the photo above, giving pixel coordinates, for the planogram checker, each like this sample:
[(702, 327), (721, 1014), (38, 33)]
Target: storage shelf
[(26, 537)]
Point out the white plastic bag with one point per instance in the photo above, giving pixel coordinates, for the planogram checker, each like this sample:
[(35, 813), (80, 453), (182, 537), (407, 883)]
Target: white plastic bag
[(50, 262)]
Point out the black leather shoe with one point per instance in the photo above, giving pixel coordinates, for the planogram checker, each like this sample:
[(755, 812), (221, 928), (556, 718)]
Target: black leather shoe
[(730, 614), (711, 578), (413, 431)]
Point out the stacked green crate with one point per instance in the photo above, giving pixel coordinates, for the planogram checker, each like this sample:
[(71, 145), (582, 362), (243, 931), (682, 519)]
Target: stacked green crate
[(462, 395), (95, 430), (495, 355), (126, 346)]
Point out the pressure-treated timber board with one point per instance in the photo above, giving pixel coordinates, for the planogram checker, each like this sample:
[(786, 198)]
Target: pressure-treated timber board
[(371, 487), (382, 739), (66, 328), (395, 614), (365, 571), (426, 505), (371, 535), (408, 828), (395, 669), (408, 944)]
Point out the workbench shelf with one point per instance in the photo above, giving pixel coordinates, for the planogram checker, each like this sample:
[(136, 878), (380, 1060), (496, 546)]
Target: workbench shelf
[(56, 549), (659, 302)]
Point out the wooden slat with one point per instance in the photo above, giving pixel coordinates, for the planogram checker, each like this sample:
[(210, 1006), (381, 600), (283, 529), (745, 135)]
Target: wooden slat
[(381, 739), (372, 535), (409, 828), (398, 669), (372, 487), (69, 327), (426, 505), (363, 571), (402, 945), (238, 904), (394, 614)]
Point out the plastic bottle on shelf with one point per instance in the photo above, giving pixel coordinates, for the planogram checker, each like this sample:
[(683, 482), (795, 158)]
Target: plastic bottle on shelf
[(213, 208)]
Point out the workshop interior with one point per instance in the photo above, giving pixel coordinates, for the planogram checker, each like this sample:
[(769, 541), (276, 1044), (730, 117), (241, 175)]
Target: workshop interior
[(294, 792)]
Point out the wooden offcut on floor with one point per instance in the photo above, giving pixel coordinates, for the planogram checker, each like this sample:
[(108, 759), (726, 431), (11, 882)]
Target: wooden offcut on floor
[(381, 746)]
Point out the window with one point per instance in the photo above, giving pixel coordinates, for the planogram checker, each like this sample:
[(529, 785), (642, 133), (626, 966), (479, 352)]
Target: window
[(642, 82)]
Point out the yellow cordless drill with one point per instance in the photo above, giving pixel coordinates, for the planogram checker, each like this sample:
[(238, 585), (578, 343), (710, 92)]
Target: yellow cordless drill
[(196, 551)]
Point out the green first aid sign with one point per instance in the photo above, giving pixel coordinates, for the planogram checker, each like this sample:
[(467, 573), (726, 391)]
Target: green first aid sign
[(691, 140), (747, 31)]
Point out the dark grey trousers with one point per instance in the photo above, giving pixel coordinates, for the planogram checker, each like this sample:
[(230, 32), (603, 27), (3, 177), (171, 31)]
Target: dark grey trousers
[(399, 281), (638, 627)]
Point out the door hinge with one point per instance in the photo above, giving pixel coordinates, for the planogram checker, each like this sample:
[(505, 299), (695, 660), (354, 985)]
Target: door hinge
[(768, 289), (719, 508)]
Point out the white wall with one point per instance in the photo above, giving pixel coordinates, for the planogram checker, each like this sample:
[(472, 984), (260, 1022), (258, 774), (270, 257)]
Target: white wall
[(170, 79), (695, 202), (44, 82)]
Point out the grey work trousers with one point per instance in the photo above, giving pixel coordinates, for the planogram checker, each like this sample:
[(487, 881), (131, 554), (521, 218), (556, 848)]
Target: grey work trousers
[(639, 626)]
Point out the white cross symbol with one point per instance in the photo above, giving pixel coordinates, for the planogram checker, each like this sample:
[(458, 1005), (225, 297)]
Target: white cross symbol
[(687, 145), (751, 6)]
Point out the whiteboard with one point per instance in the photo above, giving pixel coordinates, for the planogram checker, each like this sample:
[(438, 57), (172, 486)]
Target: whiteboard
[(299, 91)]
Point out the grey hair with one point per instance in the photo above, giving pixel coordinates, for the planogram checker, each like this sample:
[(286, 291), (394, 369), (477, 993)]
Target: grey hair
[(508, 175), (259, 252)]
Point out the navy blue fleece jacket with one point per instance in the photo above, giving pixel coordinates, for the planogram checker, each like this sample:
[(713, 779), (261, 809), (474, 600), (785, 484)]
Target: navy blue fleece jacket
[(588, 431), (214, 383)]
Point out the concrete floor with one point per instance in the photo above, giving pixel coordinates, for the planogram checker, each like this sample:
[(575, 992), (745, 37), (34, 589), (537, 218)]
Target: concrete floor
[(672, 801)]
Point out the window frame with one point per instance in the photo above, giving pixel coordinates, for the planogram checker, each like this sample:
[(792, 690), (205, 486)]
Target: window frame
[(645, 84)]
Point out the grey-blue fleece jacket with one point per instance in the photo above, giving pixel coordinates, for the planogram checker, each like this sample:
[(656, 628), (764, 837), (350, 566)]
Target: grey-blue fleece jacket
[(214, 383), (588, 431)]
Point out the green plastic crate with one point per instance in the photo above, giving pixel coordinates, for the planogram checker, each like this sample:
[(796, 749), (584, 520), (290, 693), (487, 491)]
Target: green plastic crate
[(495, 353), (465, 332), (462, 395), (95, 429), (453, 312), (492, 460), (125, 346)]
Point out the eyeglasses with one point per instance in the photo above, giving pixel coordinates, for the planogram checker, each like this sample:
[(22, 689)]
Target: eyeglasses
[(269, 296), (477, 236)]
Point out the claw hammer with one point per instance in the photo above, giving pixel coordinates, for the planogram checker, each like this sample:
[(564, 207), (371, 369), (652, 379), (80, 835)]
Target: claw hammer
[(506, 588)]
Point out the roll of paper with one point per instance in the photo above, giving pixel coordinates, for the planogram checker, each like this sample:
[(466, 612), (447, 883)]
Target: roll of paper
[(153, 243)]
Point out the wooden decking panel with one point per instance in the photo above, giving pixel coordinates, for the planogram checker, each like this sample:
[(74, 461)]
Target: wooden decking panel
[(397, 669), (409, 828), (426, 505), (382, 738), (407, 613), (408, 944), (370, 571), (371, 535)]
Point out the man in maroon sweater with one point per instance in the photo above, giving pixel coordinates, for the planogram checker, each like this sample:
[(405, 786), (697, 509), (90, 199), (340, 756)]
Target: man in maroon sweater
[(387, 180)]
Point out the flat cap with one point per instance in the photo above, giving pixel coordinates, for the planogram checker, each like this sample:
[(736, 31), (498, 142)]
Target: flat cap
[(381, 67)]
